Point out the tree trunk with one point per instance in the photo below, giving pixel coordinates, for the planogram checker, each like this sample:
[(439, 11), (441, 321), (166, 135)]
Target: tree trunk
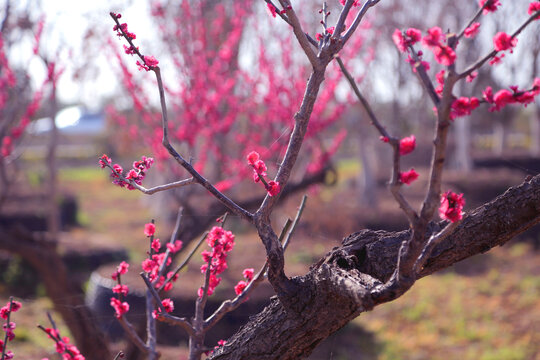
[(343, 284)]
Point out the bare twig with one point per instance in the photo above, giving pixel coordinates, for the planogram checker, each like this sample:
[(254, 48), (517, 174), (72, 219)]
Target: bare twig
[(294, 223), (367, 5), (173, 238), (424, 78), (371, 114), (301, 35), (132, 334)]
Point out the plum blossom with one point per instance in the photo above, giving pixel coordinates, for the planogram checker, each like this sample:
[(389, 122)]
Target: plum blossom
[(451, 206), (491, 5), (472, 30), (408, 177), (502, 41), (407, 145)]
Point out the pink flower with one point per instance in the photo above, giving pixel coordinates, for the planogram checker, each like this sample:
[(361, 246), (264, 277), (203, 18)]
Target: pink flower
[(168, 304), (151, 61), (173, 248), (502, 41), (444, 55), (472, 76), (156, 245), (501, 99), (408, 177), (260, 167), (120, 289), (534, 7), (119, 307), (248, 274), (472, 30), (451, 206), (272, 9), (491, 5), (463, 106), (405, 39), (104, 160), (122, 267), (240, 287), (273, 188), (433, 38), (407, 145), (60, 347), (149, 229), (384, 139)]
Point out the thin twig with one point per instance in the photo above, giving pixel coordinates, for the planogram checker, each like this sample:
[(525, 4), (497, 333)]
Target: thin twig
[(367, 5), (173, 238), (395, 183), (433, 241), (294, 223), (300, 34), (183, 323), (474, 18), (132, 334), (424, 78), (371, 114)]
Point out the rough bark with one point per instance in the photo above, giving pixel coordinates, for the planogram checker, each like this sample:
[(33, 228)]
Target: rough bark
[(343, 284), (68, 300)]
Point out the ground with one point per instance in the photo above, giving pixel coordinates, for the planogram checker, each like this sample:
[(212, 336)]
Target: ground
[(484, 308)]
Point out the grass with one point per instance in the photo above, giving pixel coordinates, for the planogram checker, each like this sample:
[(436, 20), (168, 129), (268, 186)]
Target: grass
[(450, 316)]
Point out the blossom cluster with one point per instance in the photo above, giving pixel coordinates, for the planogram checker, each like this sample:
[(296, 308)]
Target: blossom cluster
[(451, 206), (242, 284), (63, 346), (136, 174), (122, 29), (259, 173), (221, 243), (156, 259), (444, 53), (505, 97), (168, 305), (149, 62), (9, 326), (120, 307)]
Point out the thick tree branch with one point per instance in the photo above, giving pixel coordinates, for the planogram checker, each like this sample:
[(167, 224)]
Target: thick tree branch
[(346, 281)]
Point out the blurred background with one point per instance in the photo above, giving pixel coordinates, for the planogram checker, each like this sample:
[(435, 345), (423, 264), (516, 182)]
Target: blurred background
[(234, 78)]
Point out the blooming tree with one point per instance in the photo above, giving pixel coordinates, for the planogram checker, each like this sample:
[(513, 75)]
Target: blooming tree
[(370, 280), (370, 267)]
